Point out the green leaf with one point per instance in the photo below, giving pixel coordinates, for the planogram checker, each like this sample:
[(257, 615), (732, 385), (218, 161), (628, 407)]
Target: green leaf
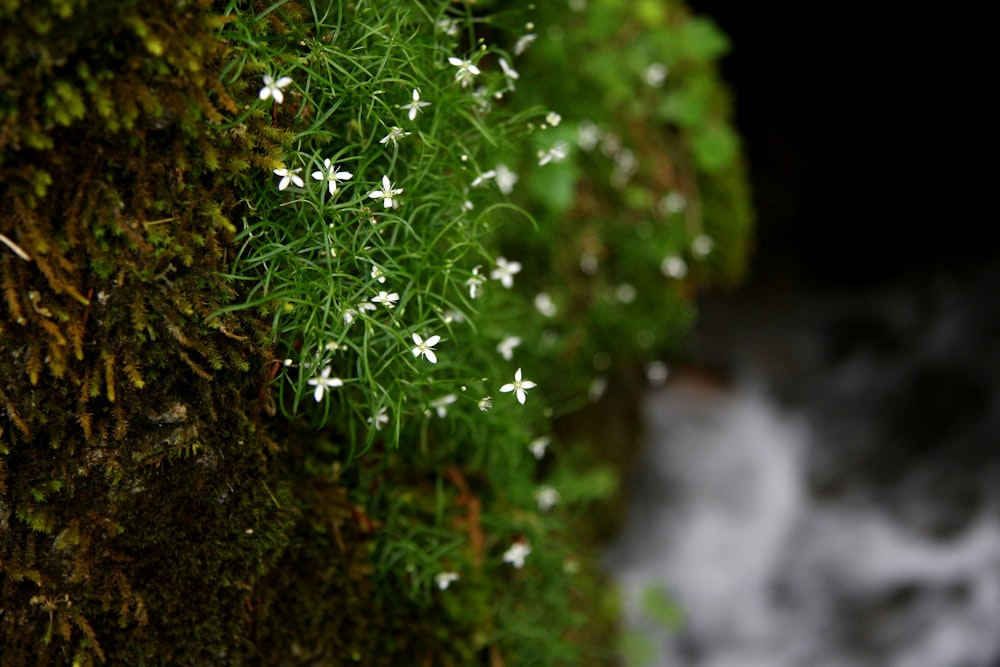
[(702, 40), (715, 148)]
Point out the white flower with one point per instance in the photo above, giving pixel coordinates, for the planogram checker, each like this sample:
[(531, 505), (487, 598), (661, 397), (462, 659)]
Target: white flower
[(273, 88), (466, 71), (625, 293), (485, 176), (485, 403), (395, 134), (673, 202), (445, 579), (387, 299), (518, 386), (441, 404), (673, 266), (367, 305), (449, 27), (655, 74), (546, 497), (539, 445), (378, 274), (474, 283), (425, 347), (516, 554), (587, 135), (555, 154), (331, 175), (505, 272), (657, 373), (386, 193), (381, 419), (545, 305), (505, 179), (481, 96), (597, 388), (289, 176), (453, 316), (702, 245), (507, 345), (349, 316), (524, 42), (509, 72), (552, 118), (324, 382), (415, 105)]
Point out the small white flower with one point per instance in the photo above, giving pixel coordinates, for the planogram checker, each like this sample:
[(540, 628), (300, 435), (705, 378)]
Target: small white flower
[(289, 176), (467, 205), (441, 404), (381, 419), (453, 316), (673, 202), (587, 135), (445, 579), (273, 88), (485, 176), (331, 175), (516, 554), (524, 42), (518, 386), (474, 283), (349, 316), (324, 382), (466, 73), (378, 274), (386, 193), (702, 245), (415, 105), (505, 272), (656, 373), (625, 293), (546, 497), (481, 96), (449, 27), (673, 266), (545, 305), (539, 445), (625, 167), (505, 179), (387, 299), (552, 118), (655, 74), (557, 153), (425, 347), (507, 345), (367, 306), (485, 404), (597, 388), (509, 72), (395, 134)]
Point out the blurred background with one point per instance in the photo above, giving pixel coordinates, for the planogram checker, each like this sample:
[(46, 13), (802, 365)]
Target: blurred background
[(818, 485)]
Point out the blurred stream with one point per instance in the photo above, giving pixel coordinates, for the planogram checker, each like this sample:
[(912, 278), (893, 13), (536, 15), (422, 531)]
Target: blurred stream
[(821, 489)]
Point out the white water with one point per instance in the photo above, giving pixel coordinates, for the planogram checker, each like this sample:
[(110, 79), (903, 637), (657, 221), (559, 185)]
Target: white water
[(767, 575)]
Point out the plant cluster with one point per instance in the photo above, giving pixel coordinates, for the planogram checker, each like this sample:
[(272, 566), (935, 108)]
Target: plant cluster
[(296, 293)]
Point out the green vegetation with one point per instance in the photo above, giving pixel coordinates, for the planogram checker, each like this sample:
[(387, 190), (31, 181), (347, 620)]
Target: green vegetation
[(302, 301)]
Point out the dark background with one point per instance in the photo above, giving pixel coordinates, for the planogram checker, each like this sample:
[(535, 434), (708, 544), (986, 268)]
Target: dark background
[(855, 123)]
